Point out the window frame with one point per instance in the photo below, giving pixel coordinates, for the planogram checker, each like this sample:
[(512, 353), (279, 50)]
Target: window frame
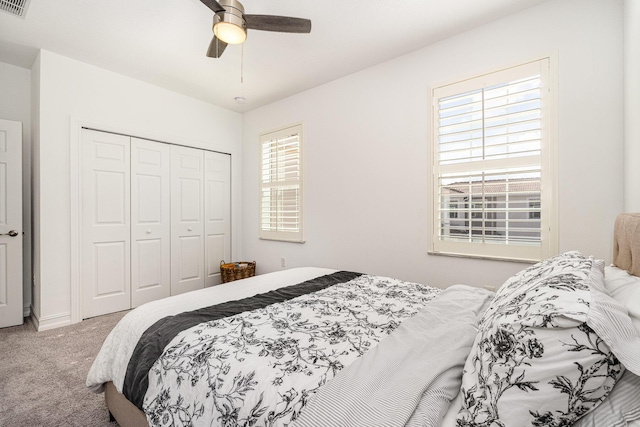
[(282, 235), (548, 166)]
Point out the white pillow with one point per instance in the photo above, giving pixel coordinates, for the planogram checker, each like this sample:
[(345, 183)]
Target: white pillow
[(625, 289), (623, 403)]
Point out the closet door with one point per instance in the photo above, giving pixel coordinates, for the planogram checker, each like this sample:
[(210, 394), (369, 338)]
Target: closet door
[(217, 214), (187, 219), (150, 221), (105, 255)]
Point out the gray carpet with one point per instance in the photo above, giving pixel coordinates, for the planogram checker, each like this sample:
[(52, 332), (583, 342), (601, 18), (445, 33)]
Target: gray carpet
[(42, 374)]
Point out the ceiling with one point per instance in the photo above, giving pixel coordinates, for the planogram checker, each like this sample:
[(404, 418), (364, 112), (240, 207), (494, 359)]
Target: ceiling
[(163, 42)]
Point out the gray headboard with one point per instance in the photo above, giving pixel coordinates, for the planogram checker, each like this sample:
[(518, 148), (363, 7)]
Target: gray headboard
[(626, 243)]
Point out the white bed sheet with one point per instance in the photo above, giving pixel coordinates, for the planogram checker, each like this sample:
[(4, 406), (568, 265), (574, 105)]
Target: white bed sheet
[(450, 417), (112, 360)]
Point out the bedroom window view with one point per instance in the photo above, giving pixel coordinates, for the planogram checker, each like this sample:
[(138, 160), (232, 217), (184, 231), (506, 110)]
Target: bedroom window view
[(494, 209), (281, 185), (489, 141)]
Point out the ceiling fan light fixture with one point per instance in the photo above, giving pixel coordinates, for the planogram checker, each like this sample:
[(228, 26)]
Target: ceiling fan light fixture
[(230, 25), (230, 33)]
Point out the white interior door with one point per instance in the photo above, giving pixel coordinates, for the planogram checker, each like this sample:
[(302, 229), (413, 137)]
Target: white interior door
[(217, 171), (106, 230), (150, 221), (10, 223), (187, 222)]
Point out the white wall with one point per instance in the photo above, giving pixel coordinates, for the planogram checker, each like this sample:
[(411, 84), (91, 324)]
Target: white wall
[(631, 105), (15, 87), (366, 174), (35, 188), (71, 94)]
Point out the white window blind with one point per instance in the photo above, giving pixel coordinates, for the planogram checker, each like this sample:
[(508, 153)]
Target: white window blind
[(491, 161), (281, 185)]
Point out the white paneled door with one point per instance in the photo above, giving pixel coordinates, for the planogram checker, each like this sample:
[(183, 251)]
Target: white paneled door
[(11, 309), (150, 221), (187, 219), (217, 199), (106, 228)]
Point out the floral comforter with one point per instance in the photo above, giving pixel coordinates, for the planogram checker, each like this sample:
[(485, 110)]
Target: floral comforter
[(261, 367)]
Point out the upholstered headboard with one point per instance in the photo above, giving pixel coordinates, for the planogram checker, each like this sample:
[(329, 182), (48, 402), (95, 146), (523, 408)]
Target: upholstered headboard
[(626, 243)]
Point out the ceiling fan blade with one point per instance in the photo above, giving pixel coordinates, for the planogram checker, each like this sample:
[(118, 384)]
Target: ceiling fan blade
[(213, 5), (216, 47), (282, 24)]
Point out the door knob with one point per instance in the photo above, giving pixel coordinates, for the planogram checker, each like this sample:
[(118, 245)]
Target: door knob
[(12, 233)]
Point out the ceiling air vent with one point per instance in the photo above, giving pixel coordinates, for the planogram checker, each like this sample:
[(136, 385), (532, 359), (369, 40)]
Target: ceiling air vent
[(15, 7)]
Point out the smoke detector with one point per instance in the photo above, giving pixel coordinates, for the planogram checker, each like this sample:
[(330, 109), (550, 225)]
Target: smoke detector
[(15, 7)]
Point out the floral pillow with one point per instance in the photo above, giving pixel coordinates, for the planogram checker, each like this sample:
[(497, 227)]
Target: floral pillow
[(536, 361), (621, 407)]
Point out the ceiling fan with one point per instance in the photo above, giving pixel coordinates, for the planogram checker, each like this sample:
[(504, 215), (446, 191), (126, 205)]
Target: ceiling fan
[(230, 24)]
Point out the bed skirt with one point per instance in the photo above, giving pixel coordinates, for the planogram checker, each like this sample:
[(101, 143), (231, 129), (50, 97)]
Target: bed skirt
[(124, 412)]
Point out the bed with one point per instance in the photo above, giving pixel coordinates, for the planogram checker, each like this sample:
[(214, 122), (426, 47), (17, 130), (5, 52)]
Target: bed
[(558, 344)]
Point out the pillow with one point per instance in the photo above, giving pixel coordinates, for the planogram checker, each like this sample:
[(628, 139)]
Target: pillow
[(623, 403), (619, 408), (625, 289), (544, 354)]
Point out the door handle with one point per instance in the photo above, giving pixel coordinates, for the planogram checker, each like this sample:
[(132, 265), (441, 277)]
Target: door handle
[(12, 233)]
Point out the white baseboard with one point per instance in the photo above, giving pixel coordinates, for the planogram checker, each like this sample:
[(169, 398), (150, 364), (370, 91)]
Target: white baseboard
[(26, 310), (51, 322)]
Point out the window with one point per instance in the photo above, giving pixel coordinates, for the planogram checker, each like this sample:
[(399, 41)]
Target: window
[(492, 163), (281, 185), (534, 209), (453, 210)]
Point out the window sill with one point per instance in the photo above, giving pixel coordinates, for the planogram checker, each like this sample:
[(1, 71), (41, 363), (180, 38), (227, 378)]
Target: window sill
[(281, 240), (484, 257)]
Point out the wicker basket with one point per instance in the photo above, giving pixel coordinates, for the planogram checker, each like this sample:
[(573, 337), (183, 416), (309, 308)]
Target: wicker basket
[(237, 270)]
